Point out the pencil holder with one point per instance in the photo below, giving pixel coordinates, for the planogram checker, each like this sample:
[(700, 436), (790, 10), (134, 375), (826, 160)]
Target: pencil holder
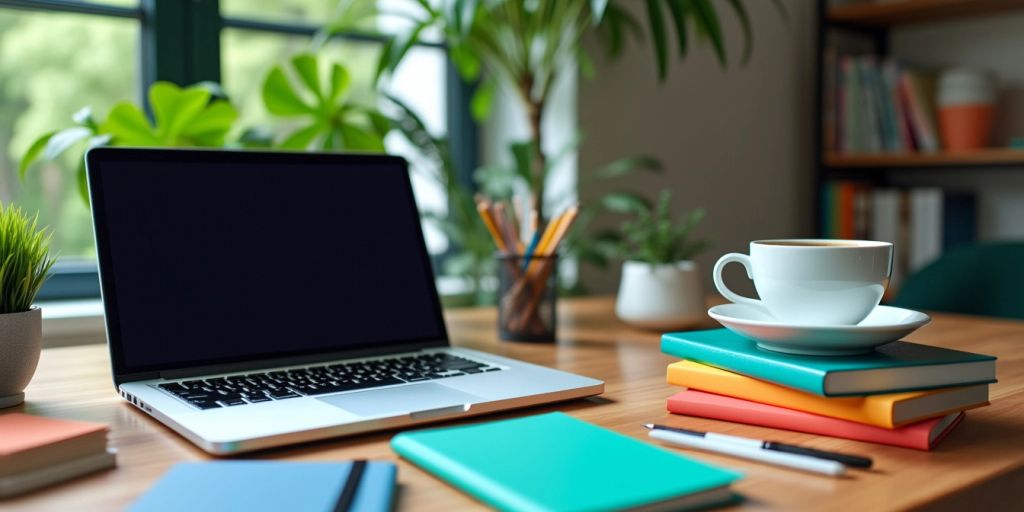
[(527, 297)]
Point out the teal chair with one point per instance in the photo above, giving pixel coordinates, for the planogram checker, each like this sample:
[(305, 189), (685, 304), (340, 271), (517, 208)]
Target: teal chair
[(985, 279)]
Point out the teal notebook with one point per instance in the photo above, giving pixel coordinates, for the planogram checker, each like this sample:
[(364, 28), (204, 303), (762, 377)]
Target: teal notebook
[(894, 367), (556, 462), (256, 486)]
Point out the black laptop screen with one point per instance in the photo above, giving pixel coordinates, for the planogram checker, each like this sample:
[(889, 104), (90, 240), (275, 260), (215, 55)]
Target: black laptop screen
[(227, 257)]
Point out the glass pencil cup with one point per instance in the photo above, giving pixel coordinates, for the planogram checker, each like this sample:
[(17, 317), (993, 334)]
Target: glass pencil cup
[(527, 297)]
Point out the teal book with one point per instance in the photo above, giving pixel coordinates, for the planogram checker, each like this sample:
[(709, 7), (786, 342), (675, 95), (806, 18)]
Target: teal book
[(894, 367), (257, 486), (556, 462)]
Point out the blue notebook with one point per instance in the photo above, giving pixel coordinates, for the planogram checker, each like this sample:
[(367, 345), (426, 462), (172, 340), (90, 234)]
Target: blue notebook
[(255, 486), (894, 367), (554, 462)]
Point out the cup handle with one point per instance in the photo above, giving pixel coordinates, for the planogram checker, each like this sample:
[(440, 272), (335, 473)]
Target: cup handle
[(744, 260)]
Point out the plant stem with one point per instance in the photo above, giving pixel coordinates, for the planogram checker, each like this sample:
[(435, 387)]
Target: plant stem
[(535, 112)]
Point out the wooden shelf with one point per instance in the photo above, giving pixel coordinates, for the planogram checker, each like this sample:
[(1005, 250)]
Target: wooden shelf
[(898, 12), (980, 158)]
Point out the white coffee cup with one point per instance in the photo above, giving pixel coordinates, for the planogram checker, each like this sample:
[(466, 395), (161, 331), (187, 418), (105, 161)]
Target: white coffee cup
[(813, 282)]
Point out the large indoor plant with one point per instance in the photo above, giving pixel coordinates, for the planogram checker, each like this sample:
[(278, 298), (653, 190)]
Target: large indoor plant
[(25, 263), (527, 47), (661, 284)]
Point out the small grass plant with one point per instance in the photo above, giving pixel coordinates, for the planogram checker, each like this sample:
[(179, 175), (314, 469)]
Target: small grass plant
[(25, 260)]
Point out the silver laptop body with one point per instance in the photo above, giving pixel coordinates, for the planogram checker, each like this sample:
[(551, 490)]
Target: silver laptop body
[(199, 335)]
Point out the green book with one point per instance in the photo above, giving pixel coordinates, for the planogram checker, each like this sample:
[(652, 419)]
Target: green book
[(894, 367), (556, 462)]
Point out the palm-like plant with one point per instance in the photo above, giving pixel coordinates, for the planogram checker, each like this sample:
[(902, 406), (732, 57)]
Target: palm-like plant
[(526, 46)]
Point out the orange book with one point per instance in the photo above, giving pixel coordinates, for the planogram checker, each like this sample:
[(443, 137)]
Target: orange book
[(923, 435), (887, 411), (28, 443)]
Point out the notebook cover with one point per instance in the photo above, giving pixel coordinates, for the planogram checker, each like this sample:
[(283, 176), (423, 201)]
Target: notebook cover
[(874, 410), (255, 486), (730, 351), (706, 405), (56, 473), (23, 432), (556, 462)]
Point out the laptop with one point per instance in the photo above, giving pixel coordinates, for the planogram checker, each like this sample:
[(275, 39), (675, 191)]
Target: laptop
[(257, 299)]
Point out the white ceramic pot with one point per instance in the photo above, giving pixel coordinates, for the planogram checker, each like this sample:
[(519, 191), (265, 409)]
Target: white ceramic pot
[(21, 340), (660, 297)]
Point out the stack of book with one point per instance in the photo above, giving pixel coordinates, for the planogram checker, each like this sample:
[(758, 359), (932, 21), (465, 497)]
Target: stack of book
[(901, 394), (877, 105), (37, 451), (927, 221)]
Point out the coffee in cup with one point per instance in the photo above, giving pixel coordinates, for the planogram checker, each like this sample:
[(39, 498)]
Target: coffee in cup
[(813, 282)]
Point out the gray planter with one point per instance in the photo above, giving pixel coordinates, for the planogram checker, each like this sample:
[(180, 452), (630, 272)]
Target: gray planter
[(21, 340)]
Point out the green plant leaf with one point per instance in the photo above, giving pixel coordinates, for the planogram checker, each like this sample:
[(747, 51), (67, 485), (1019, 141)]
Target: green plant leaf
[(84, 118), (64, 139), (483, 99), (129, 126), (678, 10), (358, 139), (748, 33), (340, 82), (211, 124), (707, 20), (83, 182), (625, 166), (305, 65), (256, 137), (522, 156), (279, 97), (33, 152), (174, 107), (625, 202), (466, 62), (660, 44), (302, 138)]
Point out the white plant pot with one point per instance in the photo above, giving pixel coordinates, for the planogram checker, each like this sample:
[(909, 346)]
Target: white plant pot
[(660, 297), (21, 340)]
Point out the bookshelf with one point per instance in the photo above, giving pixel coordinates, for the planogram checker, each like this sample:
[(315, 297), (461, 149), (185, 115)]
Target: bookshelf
[(927, 202), (872, 23), (902, 12)]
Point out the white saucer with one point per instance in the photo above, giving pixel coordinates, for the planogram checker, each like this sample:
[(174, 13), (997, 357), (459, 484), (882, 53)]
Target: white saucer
[(885, 324)]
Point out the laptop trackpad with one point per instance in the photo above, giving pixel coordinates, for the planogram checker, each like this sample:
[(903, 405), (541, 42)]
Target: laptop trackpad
[(403, 399)]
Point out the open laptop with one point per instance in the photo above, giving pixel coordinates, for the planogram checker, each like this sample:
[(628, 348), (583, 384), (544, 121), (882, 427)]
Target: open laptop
[(255, 299)]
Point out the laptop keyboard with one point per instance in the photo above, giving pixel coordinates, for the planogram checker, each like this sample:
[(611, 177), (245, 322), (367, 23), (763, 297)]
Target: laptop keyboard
[(319, 380)]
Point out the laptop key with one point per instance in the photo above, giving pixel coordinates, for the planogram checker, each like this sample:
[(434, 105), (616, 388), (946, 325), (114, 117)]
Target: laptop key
[(206, 404), (232, 401), (257, 399)]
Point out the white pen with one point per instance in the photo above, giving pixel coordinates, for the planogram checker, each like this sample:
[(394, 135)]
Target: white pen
[(745, 451)]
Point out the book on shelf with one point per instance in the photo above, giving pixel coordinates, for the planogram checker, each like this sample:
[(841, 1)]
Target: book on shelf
[(891, 368), (887, 411), (873, 104), (922, 435), (37, 451), (922, 222)]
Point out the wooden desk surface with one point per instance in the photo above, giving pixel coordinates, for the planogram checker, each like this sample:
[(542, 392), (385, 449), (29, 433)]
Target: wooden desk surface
[(977, 465)]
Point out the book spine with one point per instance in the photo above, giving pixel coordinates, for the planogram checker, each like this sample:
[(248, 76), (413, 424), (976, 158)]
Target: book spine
[(925, 226), (857, 409), (914, 436), (490, 492), (804, 379), (829, 121), (959, 223), (871, 124), (851, 107)]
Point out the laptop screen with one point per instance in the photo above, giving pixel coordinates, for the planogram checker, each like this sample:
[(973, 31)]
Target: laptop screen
[(218, 257)]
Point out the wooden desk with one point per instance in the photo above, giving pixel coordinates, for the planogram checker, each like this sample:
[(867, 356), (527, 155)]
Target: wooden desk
[(976, 466)]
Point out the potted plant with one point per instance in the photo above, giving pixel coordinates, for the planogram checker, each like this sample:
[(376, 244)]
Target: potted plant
[(661, 285), (24, 264)]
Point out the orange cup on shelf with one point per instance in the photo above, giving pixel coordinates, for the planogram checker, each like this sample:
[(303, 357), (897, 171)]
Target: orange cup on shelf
[(966, 127), (966, 100)]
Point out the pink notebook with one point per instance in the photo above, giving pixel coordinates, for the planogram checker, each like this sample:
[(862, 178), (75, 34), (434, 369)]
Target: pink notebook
[(922, 435)]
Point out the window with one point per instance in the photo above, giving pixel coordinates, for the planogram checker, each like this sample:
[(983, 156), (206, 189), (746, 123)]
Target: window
[(110, 50)]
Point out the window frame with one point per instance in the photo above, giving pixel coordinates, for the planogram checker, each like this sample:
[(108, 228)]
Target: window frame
[(180, 43)]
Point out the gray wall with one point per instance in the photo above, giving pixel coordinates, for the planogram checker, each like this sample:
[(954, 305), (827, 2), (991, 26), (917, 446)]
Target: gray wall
[(735, 141)]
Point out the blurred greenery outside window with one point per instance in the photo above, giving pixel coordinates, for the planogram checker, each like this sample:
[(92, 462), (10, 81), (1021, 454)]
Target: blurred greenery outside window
[(57, 56)]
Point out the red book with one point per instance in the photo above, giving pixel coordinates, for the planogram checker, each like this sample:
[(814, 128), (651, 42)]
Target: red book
[(923, 435)]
